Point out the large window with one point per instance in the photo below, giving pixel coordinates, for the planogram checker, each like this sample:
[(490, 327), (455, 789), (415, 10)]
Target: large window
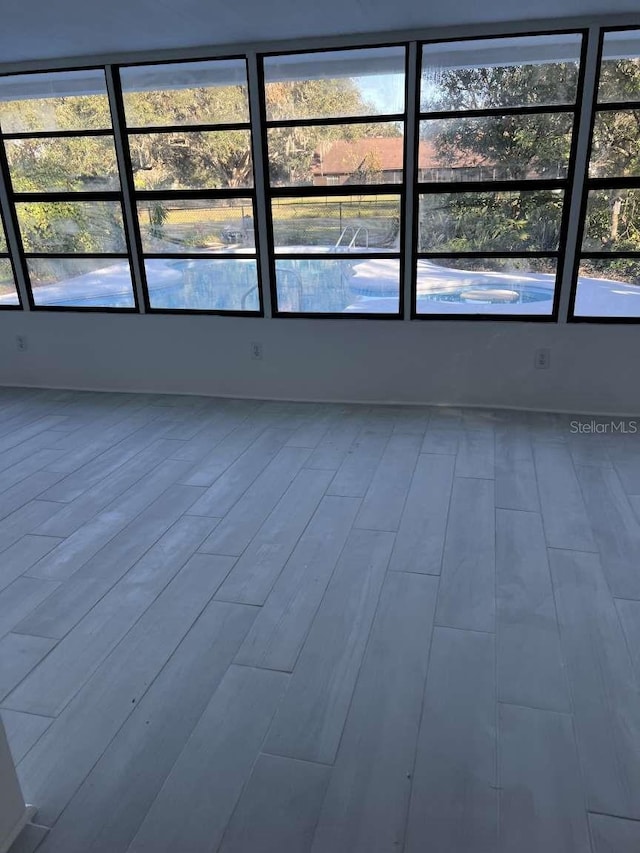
[(189, 145), (65, 187), (443, 168), (494, 164), (608, 284), (335, 143)]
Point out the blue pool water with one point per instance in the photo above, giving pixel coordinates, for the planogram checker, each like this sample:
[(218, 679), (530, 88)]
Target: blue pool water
[(204, 285), (330, 285)]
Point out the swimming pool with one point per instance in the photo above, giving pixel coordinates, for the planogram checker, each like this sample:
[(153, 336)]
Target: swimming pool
[(196, 284), (207, 284), (337, 285)]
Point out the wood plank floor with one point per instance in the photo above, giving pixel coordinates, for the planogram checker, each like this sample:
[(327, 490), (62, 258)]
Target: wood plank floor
[(250, 626)]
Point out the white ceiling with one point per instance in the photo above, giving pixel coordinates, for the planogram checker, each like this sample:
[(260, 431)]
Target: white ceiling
[(44, 29)]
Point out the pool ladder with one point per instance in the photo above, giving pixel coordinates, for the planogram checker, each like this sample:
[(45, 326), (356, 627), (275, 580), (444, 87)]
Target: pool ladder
[(291, 282), (356, 230)]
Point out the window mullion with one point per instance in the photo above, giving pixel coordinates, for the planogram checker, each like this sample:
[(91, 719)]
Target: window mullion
[(258, 143), (580, 168), (410, 176), (128, 192)]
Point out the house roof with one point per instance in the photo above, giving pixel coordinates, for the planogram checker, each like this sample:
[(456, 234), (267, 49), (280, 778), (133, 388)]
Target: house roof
[(379, 154)]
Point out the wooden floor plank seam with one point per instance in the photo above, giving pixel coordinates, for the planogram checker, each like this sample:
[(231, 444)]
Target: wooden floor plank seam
[(547, 601)]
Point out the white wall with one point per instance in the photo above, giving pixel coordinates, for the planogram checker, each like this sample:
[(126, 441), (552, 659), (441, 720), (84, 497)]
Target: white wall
[(594, 368)]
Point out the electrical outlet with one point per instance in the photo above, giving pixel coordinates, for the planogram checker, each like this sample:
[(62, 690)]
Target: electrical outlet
[(542, 359), (256, 351), (21, 342)]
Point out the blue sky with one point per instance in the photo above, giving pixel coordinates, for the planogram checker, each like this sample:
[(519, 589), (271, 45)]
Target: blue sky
[(385, 91)]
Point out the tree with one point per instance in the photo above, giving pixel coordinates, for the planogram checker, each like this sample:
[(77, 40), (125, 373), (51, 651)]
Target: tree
[(163, 160), (223, 158), (190, 159), (509, 147), (526, 146), (293, 150), (613, 216), (67, 164)]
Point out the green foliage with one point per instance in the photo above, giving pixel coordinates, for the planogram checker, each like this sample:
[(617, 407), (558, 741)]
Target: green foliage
[(219, 105), (73, 163), (70, 226), (513, 146), (192, 160), (315, 99), (517, 147), (157, 217), (510, 147), (615, 148), (619, 80), (66, 163), (613, 216), (517, 221), (292, 150), (500, 86), (189, 159), (617, 269), (613, 221), (77, 112)]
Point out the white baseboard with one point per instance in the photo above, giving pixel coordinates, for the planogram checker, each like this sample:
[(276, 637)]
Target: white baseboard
[(332, 400)]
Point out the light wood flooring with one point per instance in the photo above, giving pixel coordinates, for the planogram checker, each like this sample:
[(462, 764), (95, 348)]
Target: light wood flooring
[(251, 627)]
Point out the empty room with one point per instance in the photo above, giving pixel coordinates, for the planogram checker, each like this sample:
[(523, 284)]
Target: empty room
[(320, 427)]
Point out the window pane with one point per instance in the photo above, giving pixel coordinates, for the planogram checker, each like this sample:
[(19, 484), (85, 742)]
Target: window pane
[(495, 148), (486, 221), (201, 160), (3, 240), (608, 288), (352, 286), (59, 100), (203, 285), (620, 69), (71, 226), (612, 221), (331, 84), (486, 286), (337, 224), (212, 225), (8, 292), (336, 154), (500, 72), (73, 163), (615, 149), (185, 93), (81, 282)]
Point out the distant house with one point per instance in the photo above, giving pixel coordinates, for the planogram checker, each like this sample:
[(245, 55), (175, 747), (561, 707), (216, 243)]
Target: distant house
[(372, 160), (380, 159)]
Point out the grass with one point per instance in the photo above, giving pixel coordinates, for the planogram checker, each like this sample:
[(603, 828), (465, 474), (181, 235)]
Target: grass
[(358, 207), (305, 222)]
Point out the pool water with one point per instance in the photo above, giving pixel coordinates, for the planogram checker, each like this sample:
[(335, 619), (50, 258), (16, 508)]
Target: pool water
[(491, 295), (330, 285), (206, 285)]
